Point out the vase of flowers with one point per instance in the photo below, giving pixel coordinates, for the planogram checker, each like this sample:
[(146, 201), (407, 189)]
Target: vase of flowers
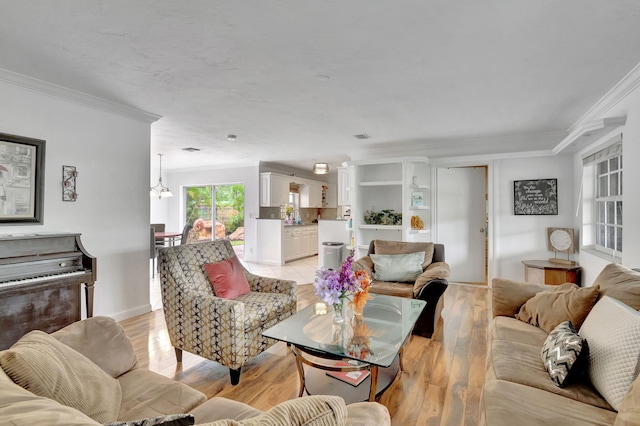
[(338, 313), (337, 288)]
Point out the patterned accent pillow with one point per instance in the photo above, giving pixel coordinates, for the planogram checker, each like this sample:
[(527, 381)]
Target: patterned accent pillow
[(227, 279), (563, 353), (613, 332), (170, 420)]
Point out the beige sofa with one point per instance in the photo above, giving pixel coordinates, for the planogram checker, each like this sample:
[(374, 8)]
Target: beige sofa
[(88, 374), (518, 389)]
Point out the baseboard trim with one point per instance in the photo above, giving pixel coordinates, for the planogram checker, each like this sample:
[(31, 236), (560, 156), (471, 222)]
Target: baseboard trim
[(140, 310)]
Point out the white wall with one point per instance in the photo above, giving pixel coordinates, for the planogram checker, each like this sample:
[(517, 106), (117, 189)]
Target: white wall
[(111, 154), (170, 210), (524, 237)]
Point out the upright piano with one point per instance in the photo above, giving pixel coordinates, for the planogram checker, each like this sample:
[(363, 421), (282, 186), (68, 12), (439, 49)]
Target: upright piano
[(41, 276)]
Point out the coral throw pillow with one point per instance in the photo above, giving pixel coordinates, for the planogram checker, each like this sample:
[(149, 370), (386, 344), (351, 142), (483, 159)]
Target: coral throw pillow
[(227, 279)]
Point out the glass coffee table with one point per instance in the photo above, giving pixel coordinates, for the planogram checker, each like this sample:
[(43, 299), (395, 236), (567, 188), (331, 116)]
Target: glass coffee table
[(370, 344)]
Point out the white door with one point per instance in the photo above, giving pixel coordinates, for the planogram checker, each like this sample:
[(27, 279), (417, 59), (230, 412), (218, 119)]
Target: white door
[(461, 217)]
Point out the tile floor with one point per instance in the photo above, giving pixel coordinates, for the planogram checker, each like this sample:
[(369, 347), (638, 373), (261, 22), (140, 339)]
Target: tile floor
[(302, 271)]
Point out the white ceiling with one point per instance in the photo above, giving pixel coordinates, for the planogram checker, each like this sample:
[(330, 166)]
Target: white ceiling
[(295, 80)]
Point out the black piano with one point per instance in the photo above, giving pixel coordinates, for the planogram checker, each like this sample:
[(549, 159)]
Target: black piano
[(41, 276)]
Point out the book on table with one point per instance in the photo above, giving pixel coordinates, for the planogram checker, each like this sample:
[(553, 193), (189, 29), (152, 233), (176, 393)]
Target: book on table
[(354, 378)]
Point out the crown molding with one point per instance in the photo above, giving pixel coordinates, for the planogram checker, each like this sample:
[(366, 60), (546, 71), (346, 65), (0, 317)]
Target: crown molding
[(50, 89), (501, 146), (488, 158), (621, 90), (588, 131)]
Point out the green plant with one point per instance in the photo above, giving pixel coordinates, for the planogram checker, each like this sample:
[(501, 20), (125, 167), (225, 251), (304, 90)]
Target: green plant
[(230, 198), (198, 198), (383, 217)]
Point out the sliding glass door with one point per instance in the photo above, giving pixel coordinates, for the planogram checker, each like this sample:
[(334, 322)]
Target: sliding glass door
[(216, 212)]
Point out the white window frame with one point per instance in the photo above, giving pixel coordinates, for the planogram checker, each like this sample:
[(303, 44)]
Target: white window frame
[(608, 200), (591, 197)]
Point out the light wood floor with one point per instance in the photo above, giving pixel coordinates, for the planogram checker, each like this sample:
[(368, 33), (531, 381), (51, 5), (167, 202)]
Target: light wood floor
[(440, 384)]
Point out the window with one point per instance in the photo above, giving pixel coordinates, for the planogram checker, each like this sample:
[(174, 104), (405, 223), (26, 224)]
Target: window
[(609, 204), (602, 203)]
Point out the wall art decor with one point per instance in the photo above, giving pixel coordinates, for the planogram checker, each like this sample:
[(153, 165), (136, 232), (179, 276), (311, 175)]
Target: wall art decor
[(69, 175), (535, 197), (417, 199), (21, 180)]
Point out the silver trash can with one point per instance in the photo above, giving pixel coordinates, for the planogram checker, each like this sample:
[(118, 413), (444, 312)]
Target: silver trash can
[(332, 255)]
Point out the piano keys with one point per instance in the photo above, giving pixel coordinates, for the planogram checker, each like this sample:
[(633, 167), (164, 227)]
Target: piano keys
[(41, 276)]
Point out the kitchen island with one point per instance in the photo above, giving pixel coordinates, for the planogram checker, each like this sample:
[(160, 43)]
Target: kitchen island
[(279, 243)]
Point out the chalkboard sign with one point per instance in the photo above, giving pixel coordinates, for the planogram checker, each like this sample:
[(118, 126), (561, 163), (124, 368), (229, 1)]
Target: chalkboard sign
[(535, 196)]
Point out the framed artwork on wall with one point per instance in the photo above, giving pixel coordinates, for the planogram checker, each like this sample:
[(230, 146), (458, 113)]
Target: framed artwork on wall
[(417, 199), (535, 197), (21, 180)]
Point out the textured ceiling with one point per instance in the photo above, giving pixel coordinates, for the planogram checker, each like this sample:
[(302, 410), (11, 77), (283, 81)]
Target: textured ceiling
[(295, 80)]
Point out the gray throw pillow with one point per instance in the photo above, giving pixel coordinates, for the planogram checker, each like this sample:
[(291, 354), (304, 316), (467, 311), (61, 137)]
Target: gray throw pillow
[(564, 353), (397, 267)]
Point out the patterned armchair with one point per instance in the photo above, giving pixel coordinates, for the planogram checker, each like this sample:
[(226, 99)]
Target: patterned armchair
[(222, 330)]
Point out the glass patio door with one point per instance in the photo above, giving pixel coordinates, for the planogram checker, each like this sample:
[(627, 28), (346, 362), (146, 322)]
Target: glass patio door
[(216, 212)]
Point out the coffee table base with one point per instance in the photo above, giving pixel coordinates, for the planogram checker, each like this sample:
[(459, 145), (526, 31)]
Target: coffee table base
[(317, 382)]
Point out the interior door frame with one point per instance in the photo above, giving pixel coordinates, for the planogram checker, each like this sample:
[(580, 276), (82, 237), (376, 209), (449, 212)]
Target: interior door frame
[(491, 191)]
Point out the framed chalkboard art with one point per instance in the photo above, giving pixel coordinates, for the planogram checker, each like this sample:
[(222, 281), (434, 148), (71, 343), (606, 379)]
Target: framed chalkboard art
[(535, 197)]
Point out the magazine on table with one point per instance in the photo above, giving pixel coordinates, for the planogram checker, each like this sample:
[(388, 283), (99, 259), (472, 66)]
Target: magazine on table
[(354, 378)]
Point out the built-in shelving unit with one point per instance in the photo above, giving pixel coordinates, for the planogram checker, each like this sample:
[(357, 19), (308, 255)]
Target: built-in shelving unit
[(401, 185)]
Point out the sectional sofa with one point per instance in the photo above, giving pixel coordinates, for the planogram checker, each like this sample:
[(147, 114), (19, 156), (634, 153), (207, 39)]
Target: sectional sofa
[(540, 371)]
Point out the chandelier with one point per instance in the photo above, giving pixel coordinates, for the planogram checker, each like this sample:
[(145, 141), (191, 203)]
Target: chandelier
[(160, 190)]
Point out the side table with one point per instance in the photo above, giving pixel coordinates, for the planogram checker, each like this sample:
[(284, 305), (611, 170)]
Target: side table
[(545, 272)]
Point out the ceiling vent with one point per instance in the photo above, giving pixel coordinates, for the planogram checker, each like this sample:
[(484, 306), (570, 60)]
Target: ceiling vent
[(362, 136), (190, 149)]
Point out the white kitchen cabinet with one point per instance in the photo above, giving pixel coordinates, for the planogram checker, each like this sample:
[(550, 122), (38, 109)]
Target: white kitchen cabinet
[(274, 190), (300, 241), (330, 196), (311, 194), (298, 244), (345, 182), (312, 242), (287, 242)]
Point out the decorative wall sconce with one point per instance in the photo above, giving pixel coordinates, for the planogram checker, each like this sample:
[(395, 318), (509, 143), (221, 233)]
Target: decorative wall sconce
[(69, 175)]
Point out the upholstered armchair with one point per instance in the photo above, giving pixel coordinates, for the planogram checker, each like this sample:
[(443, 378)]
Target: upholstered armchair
[(227, 331), (429, 285)]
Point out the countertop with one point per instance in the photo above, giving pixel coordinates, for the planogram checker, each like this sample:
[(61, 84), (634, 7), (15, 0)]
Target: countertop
[(301, 224)]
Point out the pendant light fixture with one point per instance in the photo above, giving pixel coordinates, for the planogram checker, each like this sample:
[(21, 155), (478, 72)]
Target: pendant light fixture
[(321, 168), (160, 190)]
